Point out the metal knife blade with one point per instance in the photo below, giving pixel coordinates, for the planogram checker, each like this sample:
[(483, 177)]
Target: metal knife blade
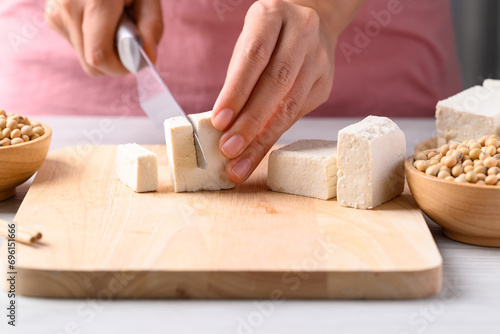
[(154, 96)]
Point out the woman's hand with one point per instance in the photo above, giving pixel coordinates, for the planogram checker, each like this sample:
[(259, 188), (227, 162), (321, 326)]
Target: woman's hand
[(281, 69), (90, 27)]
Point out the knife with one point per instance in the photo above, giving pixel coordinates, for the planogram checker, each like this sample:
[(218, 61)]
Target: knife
[(154, 96)]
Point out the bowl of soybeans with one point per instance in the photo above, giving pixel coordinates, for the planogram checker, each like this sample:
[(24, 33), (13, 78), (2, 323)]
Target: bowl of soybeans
[(458, 186), (24, 145)]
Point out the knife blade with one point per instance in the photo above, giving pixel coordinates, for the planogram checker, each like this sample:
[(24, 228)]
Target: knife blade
[(154, 96)]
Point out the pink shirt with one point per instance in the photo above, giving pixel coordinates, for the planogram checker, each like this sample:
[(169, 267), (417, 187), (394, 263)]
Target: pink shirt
[(397, 58)]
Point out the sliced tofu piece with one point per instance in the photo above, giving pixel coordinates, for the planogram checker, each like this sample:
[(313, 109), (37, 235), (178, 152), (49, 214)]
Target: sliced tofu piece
[(371, 154), (492, 84), (305, 168), (137, 167), (471, 114), (184, 173)]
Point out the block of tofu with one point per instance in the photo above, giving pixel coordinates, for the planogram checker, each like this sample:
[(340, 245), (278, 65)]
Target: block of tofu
[(371, 154), (306, 168), (471, 114), (184, 173), (492, 84), (137, 167)]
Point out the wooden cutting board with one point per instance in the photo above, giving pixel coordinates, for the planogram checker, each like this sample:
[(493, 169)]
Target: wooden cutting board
[(102, 240)]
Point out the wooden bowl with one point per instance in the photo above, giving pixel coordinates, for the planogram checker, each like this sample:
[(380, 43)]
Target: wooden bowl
[(19, 162), (468, 213), (430, 143)]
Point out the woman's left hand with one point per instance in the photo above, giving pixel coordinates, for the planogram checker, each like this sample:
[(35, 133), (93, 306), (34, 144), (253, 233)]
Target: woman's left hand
[(281, 69)]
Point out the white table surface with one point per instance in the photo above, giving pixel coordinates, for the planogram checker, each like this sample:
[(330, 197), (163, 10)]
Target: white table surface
[(469, 301)]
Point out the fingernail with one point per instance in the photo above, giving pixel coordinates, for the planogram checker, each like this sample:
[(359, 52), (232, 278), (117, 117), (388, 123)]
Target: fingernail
[(242, 168), (223, 118), (233, 146)]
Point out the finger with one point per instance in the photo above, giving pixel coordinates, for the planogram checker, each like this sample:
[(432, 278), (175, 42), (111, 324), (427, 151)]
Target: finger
[(66, 18), (148, 16), (251, 56), (53, 18), (273, 85), (100, 21), (290, 109)]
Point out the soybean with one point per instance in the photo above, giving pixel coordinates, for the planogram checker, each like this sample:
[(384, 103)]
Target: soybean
[(472, 161), (16, 129)]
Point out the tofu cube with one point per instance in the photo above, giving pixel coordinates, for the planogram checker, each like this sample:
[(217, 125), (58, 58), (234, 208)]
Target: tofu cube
[(371, 157), (137, 167), (305, 168), (184, 172), (491, 84), (471, 114)]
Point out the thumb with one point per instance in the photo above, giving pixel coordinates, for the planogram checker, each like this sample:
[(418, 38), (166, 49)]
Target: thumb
[(148, 16)]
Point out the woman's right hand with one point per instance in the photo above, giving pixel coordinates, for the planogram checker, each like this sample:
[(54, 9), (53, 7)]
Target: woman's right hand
[(90, 27)]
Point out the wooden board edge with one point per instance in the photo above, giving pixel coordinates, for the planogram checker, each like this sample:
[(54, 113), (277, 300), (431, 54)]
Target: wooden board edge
[(229, 285)]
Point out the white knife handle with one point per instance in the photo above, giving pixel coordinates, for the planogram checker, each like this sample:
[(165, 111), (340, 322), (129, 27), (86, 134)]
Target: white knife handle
[(128, 40)]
